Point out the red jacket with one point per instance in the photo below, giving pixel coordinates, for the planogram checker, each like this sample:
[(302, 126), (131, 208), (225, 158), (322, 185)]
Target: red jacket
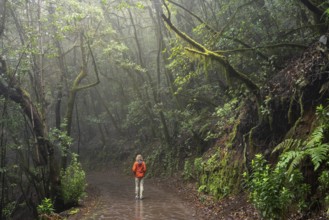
[(139, 169)]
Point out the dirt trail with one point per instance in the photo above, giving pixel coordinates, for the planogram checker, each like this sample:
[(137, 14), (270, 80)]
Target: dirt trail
[(116, 200)]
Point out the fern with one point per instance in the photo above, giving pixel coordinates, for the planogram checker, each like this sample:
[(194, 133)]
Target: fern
[(316, 136), (318, 154), (315, 148), (269, 187), (300, 156), (288, 144), (293, 152), (291, 159), (272, 191), (286, 158)]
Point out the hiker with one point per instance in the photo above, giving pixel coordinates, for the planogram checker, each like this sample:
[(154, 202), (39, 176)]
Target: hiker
[(139, 169)]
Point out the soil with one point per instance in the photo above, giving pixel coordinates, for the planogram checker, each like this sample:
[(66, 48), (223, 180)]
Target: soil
[(234, 207)]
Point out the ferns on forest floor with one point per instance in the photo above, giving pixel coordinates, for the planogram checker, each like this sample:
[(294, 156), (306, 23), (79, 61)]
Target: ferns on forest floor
[(272, 190)]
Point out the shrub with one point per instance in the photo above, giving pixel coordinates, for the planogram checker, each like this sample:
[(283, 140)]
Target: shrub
[(46, 207), (324, 188), (188, 170), (73, 182), (272, 191)]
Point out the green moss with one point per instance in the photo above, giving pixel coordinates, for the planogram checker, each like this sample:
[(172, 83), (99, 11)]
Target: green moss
[(162, 162), (250, 142), (233, 133), (219, 175), (301, 105), (290, 107), (293, 129), (244, 161)]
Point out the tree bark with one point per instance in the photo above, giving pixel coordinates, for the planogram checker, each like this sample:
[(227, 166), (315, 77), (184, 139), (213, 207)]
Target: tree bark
[(3, 7), (76, 87), (44, 149), (3, 152)]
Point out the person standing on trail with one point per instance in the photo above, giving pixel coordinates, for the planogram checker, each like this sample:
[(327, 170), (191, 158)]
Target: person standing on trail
[(139, 169)]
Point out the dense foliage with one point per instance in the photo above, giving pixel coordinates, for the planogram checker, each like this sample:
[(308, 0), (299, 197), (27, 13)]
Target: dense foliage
[(273, 192), (73, 182), (197, 86)]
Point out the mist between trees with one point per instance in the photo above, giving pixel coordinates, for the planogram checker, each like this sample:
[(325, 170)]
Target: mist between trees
[(179, 81)]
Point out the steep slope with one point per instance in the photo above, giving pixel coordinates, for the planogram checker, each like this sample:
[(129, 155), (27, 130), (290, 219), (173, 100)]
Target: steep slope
[(288, 96), (288, 111)]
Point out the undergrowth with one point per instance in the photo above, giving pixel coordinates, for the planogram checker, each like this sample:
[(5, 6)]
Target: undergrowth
[(217, 176), (276, 190), (73, 182)]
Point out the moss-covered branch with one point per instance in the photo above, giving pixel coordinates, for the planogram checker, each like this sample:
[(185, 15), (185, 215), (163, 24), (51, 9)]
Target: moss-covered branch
[(221, 32), (200, 49), (76, 87), (301, 46)]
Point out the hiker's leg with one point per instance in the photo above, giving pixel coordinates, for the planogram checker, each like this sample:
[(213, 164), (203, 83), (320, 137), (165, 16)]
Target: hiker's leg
[(141, 188), (136, 187)]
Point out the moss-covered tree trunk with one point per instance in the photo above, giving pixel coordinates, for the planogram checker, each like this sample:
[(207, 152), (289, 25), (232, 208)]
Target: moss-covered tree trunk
[(44, 149), (76, 87)]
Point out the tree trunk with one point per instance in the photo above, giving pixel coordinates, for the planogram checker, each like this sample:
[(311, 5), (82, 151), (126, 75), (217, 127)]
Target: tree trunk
[(2, 15), (3, 160), (44, 149), (76, 87)]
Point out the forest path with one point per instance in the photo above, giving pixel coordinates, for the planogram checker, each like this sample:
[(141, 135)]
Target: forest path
[(116, 200)]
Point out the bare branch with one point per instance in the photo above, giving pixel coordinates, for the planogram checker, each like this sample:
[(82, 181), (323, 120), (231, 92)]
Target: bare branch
[(313, 8), (3, 9), (233, 17), (266, 47), (168, 11), (195, 16)]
